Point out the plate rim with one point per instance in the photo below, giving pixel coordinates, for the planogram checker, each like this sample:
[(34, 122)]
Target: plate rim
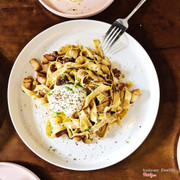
[(178, 152), (14, 165), (92, 13), (67, 167)]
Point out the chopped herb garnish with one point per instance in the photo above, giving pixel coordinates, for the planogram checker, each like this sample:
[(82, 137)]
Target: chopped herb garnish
[(79, 84), (63, 107), (81, 47), (49, 94), (98, 120), (57, 113), (68, 88), (87, 129), (67, 65), (127, 141), (71, 74), (95, 87), (76, 85), (86, 69), (76, 78), (50, 147), (53, 149), (74, 159), (99, 138), (63, 76)]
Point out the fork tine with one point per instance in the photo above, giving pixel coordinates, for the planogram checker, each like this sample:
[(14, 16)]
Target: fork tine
[(119, 29), (108, 34), (116, 38), (110, 37), (110, 30)]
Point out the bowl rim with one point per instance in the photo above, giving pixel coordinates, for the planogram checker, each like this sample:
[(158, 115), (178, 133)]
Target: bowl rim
[(46, 159), (92, 13)]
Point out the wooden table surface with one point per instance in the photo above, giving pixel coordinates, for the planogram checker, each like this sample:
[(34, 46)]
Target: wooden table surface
[(157, 27)]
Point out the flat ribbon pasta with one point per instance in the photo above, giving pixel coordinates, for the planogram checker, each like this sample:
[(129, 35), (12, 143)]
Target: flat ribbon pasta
[(107, 101)]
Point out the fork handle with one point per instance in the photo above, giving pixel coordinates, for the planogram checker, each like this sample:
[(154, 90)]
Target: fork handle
[(135, 9)]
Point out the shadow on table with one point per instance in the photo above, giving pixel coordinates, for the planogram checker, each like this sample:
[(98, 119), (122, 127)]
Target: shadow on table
[(37, 170), (6, 128), (119, 9)]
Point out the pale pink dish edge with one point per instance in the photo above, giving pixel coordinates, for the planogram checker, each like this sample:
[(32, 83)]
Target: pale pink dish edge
[(20, 169), (109, 2)]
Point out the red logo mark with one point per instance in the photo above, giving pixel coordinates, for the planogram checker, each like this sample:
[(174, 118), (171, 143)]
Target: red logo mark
[(151, 175)]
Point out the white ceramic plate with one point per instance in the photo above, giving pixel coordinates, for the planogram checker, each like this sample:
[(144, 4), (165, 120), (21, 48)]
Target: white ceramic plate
[(29, 122), (9, 171), (76, 8)]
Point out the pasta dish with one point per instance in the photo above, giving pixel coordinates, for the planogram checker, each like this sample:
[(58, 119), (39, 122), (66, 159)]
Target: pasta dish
[(85, 96)]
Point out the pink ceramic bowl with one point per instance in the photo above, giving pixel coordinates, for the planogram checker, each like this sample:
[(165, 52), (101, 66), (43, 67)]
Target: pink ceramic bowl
[(12, 171), (76, 8)]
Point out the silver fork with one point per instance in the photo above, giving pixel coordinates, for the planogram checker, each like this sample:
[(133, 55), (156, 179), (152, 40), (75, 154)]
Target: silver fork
[(117, 29)]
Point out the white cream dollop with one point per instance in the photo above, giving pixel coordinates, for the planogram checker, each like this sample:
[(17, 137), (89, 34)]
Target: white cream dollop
[(67, 98)]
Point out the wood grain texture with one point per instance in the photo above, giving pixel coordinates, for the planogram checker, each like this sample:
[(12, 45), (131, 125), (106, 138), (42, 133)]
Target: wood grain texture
[(157, 27)]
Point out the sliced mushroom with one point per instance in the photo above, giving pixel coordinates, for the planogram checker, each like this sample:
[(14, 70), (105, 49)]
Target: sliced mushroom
[(44, 61), (35, 82), (86, 140), (36, 65), (27, 83), (135, 95), (53, 68), (120, 86), (49, 57), (55, 54), (41, 93), (77, 138), (116, 72), (66, 59), (61, 81), (41, 78), (60, 133)]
